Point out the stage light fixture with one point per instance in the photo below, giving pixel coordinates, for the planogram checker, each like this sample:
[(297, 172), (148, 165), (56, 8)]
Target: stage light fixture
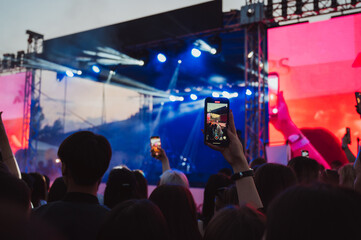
[(79, 72), (275, 111), (248, 92), (213, 51), (215, 94), (203, 46), (172, 98), (69, 73), (96, 69), (194, 97), (161, 57), (179, 61), (250, 54), (196, 52), (226, 94)]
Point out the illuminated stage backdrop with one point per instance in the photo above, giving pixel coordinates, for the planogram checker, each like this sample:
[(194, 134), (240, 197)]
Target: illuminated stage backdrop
[(314, 62)]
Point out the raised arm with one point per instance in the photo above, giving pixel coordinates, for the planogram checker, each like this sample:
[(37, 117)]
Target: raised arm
[(233, 153), (162, 157), (298, 142), (7, 154)]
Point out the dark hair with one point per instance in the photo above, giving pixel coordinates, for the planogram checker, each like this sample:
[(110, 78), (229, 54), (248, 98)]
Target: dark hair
[(86, 156), (134, 220), (225, 171), (142, 184), (39, 189), (235, 222), (14, 191), (315, 212), (271, 179), (226, 196), (57, 190), (121, 186), (178, 207), (306, 169), (329, 176), (214, 183), (256, 162)]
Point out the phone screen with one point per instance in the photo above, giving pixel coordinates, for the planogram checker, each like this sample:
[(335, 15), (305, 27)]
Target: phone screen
[(216, 120), (155, 143), (305, 153)]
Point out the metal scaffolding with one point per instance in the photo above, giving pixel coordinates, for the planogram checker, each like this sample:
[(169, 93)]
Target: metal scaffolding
[(256, 130), (31, 110)]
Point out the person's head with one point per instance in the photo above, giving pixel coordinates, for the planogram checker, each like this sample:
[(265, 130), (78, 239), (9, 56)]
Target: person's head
[(121, 186), (226, 172), (39, 189), (271, 179), (329, 176), (257, 162), (134, 220), (14, 192), (178, 207), (214, 185), (85, 157), (142, 184), (57, 190), (226, 196), (347, 175), (174, 177), (357, 167), (314, 212), (306, 169), (235, 222)]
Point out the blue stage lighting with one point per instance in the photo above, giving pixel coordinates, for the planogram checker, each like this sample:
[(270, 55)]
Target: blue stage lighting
[(194, 97), (96, 69), (69, 73), (215, 94), (248, 92), (195, 52), (161, 57), (172, 98), (226, 94)]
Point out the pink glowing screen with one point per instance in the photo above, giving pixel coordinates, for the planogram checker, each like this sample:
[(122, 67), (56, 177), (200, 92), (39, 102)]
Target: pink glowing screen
[(11, 104), (314, 64)]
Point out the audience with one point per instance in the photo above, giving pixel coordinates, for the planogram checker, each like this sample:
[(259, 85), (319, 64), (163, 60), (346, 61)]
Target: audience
[(272, 179), (178, 207), (306, 169), (134, 220), (57, 190), (233, 223), (175, 177), (39, 190), (347, 175), (121, 186), (142, 184), (85, 157)]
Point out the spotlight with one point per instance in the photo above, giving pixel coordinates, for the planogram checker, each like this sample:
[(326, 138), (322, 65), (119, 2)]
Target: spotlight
[(69, 73), (213, 51), (194, 97), (79, 72), (250, 54), (248, 92), (181, 99), (275, 111), (57, 160), (172, 98), (161, 57), (196, 53), (187, 90), (179, 61), (226, 94), (215, 94), (96, 69), (235, 94), (141, 63)]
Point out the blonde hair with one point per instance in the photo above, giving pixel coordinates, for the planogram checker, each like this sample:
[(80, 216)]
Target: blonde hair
[(174, 177)]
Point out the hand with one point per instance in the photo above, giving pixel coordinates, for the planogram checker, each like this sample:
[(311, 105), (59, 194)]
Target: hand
[(233, 153), (159, 154), (345, 141), (282, 119)]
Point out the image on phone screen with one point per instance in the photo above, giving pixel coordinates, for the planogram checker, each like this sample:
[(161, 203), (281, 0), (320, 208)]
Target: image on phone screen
[(216, 115)]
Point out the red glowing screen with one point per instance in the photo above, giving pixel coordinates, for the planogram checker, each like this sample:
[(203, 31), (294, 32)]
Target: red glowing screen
[(314, 64), (11, 104)]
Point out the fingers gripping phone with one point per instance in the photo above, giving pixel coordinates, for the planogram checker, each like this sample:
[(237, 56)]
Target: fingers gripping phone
[(348, 135), (155, 144), (216, 120), (358, 102)]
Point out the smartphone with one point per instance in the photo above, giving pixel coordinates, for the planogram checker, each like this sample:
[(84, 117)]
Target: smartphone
[(155, 144), (348, 135), (305, 153), (358, 102), (273, 91), (216, 120)]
